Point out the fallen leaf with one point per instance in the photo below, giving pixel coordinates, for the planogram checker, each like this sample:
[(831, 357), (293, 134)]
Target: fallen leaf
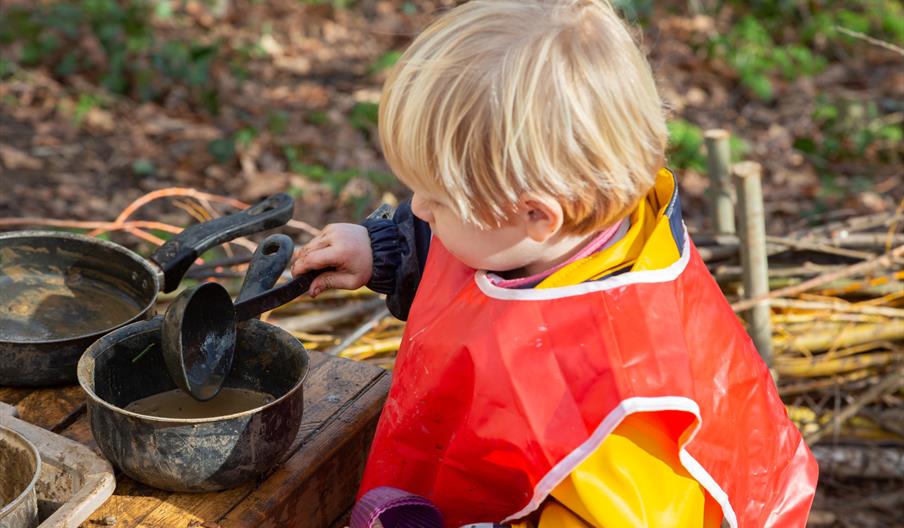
[(14, 158)]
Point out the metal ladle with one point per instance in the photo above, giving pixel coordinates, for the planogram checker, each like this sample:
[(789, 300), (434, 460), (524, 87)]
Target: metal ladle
[(199, 327)]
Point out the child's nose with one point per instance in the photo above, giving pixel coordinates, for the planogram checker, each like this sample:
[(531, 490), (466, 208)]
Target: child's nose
[(420, 209)]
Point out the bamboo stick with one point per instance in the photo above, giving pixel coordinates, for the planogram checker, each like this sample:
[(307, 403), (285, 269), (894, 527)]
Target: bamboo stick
[(849, 225), (865, 241), (804, 319), (381, 313), (820, 247), (890, 383), (711, 253), (718, 158), (814, 385), (369, 350), (753, 253), (881, 286), (728, 273), (861, 461), (329, 318), (819, 366), (838, 307), (860, 268)]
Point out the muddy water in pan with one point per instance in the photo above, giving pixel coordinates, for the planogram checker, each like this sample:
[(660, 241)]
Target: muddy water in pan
[(178, 404), (49, 306)]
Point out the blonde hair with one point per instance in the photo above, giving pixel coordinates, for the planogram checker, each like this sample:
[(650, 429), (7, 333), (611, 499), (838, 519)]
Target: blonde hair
[(502, 97)]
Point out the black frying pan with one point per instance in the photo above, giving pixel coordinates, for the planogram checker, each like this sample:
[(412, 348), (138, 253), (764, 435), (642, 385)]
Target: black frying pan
[(60, 292)]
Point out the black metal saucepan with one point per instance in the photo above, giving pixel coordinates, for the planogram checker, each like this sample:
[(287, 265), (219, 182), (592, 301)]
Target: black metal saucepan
[(215, 448), (60, 292)]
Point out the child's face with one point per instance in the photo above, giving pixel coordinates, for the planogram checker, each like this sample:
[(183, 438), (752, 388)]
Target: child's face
[(504, 248)]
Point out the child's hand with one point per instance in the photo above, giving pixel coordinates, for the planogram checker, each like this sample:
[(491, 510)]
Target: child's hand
[(345, 247)]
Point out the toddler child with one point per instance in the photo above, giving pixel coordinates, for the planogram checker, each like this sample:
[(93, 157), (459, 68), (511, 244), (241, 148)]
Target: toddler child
[(568, 360)]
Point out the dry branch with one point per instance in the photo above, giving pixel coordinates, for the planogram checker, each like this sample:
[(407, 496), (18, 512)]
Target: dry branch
[(890, 383), (861, 268), (860, 461), (820, 366)]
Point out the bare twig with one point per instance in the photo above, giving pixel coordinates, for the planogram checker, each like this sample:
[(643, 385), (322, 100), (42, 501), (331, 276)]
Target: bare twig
[(311, 322), (380, 314), (861, 461), (889, 383), (77, 224), (838, 307), (304, 226), (872, 40), (846, 226), (175, 191), (860, 268), (849, 335)]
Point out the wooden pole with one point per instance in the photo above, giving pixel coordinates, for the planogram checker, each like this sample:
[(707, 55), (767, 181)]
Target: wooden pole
[(753, 253), (718, 159)]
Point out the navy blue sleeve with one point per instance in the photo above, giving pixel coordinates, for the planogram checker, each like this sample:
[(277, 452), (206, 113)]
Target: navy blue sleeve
[(400, 246)]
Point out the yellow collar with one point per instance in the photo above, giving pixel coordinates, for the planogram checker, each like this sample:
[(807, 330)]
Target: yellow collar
[(653, 241)]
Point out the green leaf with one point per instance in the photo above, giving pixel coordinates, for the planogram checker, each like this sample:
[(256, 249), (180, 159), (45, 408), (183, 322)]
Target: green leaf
[(277, 121), (7, 68), (68, 64), (760, 85), (893, 133), (317, 117), (245, 136), (825, 113), (143, 167), (364, 115), (853, 21), (806, 145), (386, 61), (222, 149), (85, 103), (163, 9)]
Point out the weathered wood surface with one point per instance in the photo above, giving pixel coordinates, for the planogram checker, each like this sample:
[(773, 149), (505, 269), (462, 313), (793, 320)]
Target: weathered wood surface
[(314, 487)]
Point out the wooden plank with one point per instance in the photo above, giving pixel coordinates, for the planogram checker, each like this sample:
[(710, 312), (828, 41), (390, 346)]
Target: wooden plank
[(324, 396), (343, 520), (182, 509), (131, 501), (331, 383), (80, 431), (13, 395), (52, 408), (317, 485)]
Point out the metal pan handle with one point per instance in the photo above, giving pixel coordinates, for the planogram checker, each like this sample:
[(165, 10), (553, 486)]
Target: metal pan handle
[(267, 264), (179, 253), (278, 296)]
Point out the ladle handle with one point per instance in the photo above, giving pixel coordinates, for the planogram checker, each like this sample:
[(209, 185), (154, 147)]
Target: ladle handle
[(268, 300), (267, 264), (179, 253)]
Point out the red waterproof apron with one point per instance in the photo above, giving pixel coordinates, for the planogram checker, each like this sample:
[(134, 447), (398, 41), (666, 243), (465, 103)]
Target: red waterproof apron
[(499, 394)]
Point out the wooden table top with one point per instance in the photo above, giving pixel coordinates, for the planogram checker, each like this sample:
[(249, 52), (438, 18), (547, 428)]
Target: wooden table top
[(314, 488)]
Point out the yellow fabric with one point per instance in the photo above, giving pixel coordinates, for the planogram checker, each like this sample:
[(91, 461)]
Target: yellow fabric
[(648, 244), (634, 478)]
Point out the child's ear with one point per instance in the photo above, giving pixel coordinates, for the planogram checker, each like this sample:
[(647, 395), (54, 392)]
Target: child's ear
[(542, 216)]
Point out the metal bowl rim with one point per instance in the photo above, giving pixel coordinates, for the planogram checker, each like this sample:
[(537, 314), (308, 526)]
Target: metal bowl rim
[(5, 509), (154, 327)]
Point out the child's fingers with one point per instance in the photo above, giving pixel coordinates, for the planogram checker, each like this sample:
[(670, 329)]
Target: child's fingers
[(319, 242), (333, 280), (316, 259)]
